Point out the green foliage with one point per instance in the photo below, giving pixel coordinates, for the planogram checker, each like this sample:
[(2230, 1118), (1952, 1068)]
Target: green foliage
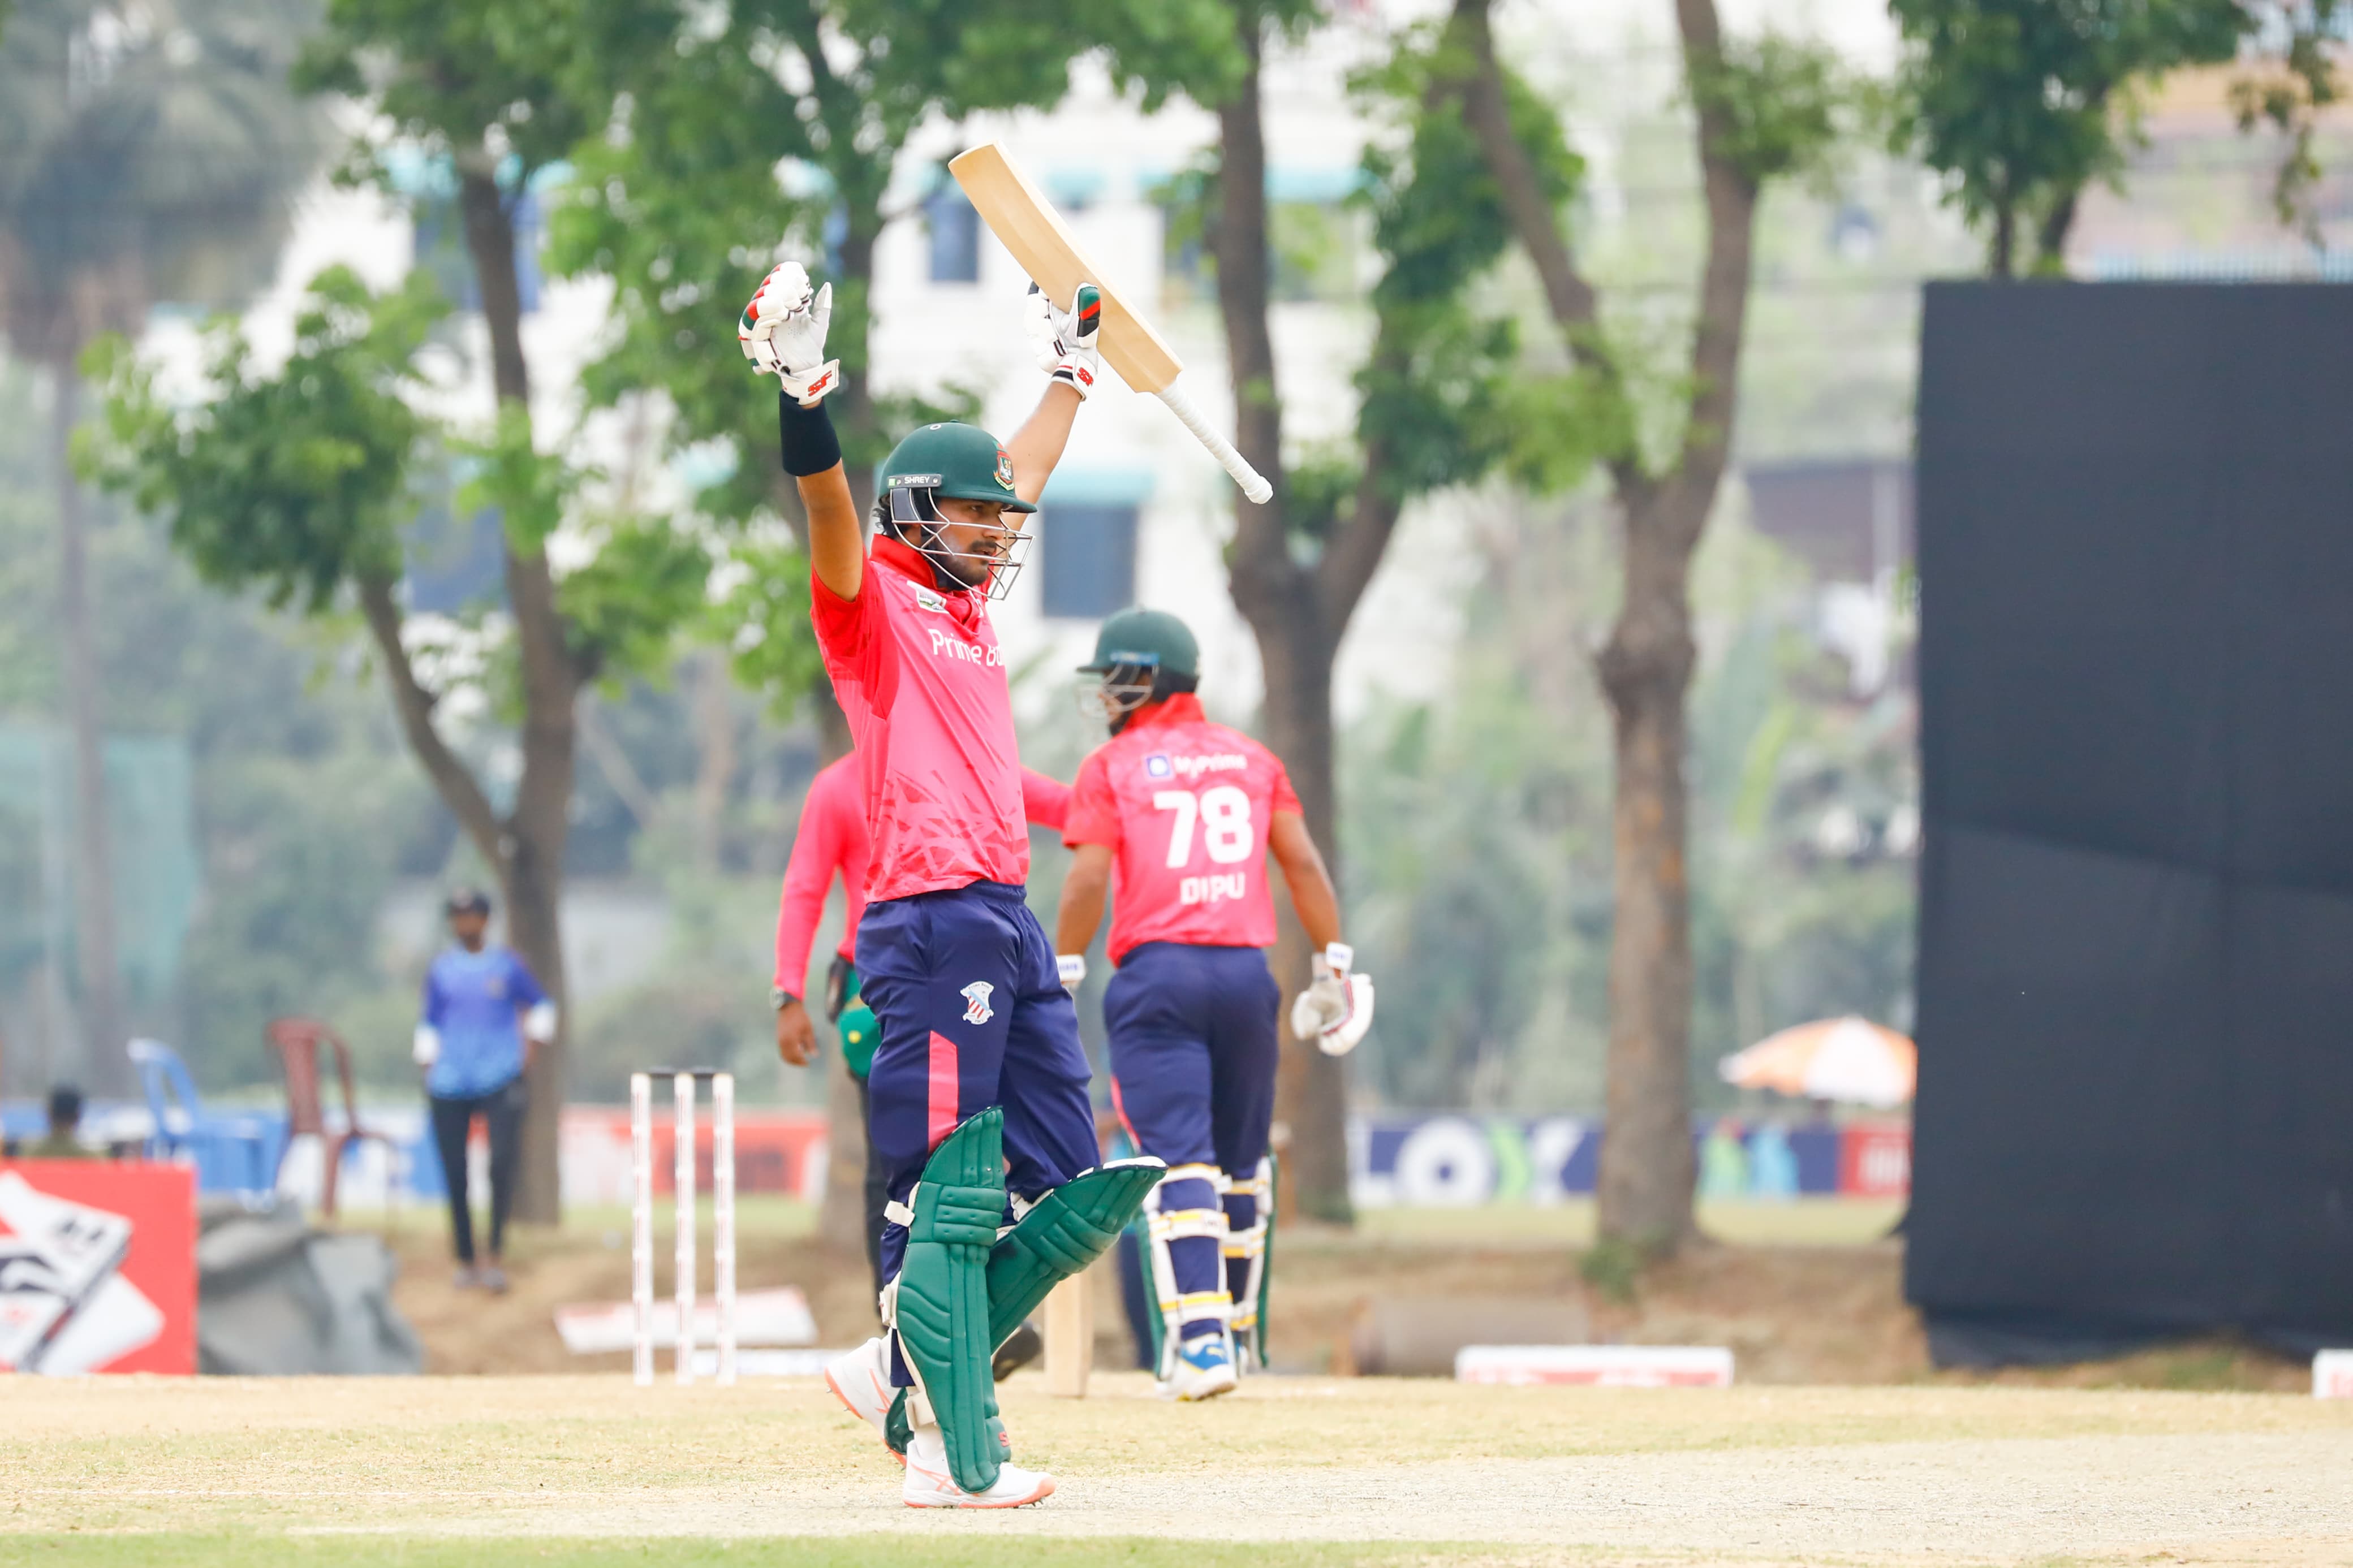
[(294, 482), (1783, 102), (303, 483), (2025, 102), (763, 617), (462, 77), (531, 490), (757, 127), (625, 607), (733, 135), (2298, 81), (1443, 394)]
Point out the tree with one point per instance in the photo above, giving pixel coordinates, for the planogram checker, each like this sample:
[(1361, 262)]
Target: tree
[(1761, 111), (2026, 102), (764, 126), (475, 84), (304, 483), (2293, 79), (1440, 406), (146, 154)]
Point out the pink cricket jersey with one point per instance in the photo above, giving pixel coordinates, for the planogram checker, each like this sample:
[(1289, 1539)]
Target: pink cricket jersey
[(919, 677), (1187, 806), (831, 841)]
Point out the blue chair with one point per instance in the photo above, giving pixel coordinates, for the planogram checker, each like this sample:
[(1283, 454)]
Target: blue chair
[(163, 1077), (230, 1152)]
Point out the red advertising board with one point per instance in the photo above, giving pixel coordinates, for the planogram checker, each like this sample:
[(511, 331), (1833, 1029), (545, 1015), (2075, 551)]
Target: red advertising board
[(1876, 1162), (98, 1267)]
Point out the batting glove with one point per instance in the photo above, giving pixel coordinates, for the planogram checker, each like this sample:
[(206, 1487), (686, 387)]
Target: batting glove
[(1337, 1009), (1065, 340), (781, 332)]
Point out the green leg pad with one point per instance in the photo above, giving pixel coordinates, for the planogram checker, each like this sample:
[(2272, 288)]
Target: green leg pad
[(1069, 1228), (941, 1310)]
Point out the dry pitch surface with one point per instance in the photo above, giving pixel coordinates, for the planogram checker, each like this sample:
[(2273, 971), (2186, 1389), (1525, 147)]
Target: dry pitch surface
[(588, 1470)]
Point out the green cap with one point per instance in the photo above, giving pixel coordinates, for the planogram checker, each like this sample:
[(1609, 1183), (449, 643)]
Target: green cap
[(1153, 638), (962, 462)]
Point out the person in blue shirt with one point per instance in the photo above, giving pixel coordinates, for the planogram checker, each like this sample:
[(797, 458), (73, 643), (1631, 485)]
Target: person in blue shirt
[(484, 1013)]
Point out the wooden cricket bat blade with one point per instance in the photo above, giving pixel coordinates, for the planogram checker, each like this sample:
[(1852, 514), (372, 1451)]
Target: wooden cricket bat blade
[(1026, 225)]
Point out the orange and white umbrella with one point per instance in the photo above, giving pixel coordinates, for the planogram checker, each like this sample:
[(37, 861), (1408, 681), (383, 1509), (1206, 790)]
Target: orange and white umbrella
[(1850, 1059)]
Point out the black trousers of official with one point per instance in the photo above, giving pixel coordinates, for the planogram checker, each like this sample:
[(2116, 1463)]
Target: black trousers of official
[(501, 1109)]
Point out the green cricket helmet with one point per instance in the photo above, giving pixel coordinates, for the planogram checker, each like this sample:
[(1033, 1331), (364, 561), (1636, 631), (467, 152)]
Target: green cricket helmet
[(1141, 656), (953, 462)]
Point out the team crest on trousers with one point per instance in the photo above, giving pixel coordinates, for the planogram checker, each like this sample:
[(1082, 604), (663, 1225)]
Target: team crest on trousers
[(975, 996)]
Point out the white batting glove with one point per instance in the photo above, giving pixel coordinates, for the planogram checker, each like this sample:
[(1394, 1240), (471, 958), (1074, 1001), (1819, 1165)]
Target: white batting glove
[(781, 332), (1065, 340), (1336, 1008), (1072, 968)]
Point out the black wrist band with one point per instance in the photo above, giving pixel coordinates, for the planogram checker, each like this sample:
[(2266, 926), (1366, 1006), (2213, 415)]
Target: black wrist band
[(806, 436)]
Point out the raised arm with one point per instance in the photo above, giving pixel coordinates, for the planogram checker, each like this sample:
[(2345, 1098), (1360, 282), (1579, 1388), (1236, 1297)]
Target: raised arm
[(1038, 446), (1065, 342), (781, 332)]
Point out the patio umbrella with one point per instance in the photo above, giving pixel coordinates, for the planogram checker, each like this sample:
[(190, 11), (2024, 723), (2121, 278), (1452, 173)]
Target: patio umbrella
[(1848, 1060)]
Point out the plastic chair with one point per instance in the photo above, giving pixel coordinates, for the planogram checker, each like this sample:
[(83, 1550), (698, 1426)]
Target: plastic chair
[(171, 1097), (297, 1043)]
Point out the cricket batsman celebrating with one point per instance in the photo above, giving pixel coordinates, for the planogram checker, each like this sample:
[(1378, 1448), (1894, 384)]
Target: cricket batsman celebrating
[(978, 1089), (1179, 816)]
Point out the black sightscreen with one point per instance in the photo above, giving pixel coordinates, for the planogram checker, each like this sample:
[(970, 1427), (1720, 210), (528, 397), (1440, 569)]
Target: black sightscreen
[(2136, 980)]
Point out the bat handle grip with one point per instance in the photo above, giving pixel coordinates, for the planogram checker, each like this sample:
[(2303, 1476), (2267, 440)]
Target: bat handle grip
[(1253, 482)]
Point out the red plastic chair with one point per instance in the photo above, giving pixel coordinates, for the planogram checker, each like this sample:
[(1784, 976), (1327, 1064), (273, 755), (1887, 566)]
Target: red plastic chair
[(297, 1043)]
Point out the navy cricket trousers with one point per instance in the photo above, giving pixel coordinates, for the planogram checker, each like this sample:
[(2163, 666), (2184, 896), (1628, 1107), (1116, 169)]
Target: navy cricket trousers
[(1193, 1057), (972, 1014)]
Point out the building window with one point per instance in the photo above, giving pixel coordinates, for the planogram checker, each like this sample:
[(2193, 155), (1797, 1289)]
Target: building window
[(1088, 560), (955, 235)]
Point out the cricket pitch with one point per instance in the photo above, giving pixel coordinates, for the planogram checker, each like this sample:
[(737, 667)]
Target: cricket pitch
[(589, 1470)]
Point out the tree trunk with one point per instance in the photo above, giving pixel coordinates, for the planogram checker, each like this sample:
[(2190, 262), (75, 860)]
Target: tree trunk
[(2003, 262), (531, 865), (2050, 235), (1646, 1175), (1296, 638), (102, 1019)]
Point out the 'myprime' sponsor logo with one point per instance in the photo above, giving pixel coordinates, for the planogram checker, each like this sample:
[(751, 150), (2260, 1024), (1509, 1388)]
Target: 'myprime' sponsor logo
[(1160, 765), (944, 645), (1214, 889)]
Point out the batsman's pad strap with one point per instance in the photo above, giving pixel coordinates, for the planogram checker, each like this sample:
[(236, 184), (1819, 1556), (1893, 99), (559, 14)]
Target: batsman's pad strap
[(807, 437), (940, 1300), (1177, 1225), (1064, 1231)]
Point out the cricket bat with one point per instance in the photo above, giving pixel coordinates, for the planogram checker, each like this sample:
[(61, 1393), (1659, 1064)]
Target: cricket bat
[(1026, 224)]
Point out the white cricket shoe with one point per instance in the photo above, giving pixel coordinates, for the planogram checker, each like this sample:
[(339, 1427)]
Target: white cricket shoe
[(930, 1485), (1205, 1369), (860, 1379)]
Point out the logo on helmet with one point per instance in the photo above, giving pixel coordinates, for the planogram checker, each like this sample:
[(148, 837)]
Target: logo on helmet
[(976, 1008), (1004, 467)]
